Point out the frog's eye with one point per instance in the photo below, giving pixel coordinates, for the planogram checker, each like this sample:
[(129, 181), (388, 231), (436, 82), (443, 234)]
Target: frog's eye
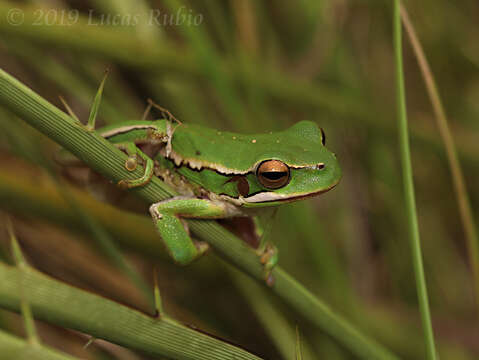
[(273, 174), (323, 137)]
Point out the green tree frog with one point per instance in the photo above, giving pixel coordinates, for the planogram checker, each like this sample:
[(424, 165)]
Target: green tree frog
[(224, 174)]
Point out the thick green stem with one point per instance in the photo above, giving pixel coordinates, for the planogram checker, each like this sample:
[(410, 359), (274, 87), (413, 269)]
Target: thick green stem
[(66, 306)]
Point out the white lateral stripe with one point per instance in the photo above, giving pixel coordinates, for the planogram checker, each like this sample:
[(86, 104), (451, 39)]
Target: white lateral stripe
[(197, 164), (125, 129)]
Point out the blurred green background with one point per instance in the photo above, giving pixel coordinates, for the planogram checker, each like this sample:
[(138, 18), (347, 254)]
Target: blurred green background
[(258, 66)]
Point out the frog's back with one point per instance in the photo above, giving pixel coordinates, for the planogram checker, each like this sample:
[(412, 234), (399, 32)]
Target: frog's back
[(233, 153)]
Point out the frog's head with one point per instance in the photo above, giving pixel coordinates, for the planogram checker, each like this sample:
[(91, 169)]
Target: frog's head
[(296, 165)]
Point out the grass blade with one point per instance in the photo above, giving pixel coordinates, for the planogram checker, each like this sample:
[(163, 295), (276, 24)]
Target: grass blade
[(409, 188)]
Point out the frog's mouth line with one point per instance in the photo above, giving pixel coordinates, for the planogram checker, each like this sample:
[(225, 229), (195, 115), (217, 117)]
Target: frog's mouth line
[(266, 197)]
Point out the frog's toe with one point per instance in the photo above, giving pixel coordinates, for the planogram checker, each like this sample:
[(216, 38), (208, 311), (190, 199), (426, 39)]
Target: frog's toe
[(269, 259), (131, 163)]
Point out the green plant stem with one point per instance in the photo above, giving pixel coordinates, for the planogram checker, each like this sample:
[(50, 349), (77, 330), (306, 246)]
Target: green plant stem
[(409, 188), (66, 306), (107, 160), (459, 183)]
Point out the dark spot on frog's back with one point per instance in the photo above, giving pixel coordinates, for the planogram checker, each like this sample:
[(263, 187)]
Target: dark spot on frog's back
[(198, 153)]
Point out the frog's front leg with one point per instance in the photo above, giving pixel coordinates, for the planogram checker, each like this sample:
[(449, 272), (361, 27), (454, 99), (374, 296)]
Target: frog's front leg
[(267, 252), (132, 162), (167, 217)]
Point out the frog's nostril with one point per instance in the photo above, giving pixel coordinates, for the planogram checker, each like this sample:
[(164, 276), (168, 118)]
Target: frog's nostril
[(320, 166)]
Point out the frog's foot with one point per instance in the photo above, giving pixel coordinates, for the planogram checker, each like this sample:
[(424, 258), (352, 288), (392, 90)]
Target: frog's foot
[(268, 256), (174, 232), (131, 164)]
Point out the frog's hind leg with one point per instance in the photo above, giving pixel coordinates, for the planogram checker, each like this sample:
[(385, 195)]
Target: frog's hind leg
[(167, 216), (131, 164)]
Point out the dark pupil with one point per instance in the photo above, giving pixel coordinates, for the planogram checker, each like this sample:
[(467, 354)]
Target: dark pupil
[(274, 175)]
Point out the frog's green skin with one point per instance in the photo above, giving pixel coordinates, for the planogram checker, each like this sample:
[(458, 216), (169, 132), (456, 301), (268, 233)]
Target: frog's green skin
[(215, 171)]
